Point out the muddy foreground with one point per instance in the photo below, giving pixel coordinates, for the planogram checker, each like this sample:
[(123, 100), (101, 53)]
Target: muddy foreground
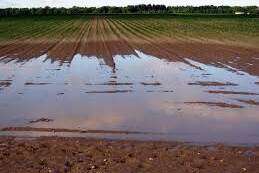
[(87, 155)]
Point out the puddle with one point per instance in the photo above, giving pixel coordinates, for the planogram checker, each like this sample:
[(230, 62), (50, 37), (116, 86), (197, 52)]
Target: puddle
[(181, 100)]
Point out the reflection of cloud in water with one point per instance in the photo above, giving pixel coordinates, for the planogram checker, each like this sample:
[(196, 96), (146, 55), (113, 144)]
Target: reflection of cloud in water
[(135, 111)]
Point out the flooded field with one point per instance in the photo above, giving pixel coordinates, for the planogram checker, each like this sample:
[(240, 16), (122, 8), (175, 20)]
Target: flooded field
[(111, 79)]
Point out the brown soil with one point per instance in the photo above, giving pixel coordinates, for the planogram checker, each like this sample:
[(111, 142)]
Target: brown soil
[(212, 83), (77, 155), (217, 104), (105, 38), (231, 92)]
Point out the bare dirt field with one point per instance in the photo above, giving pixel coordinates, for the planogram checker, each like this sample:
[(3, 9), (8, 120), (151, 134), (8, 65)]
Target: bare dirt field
[(78, 155)]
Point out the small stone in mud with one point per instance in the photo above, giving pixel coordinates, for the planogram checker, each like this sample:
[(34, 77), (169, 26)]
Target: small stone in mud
[(93, 167)]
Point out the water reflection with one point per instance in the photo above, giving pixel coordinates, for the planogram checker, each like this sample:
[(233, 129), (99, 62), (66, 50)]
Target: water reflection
[(181, 100), (230, 57)]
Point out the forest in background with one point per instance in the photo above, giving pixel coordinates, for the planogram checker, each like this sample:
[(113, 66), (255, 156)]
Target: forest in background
[(131, 9)]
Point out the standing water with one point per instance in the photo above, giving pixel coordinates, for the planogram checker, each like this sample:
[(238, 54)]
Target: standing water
[(141, 96)]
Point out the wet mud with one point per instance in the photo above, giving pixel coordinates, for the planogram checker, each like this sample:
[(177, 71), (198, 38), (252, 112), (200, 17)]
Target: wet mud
[(109, 92), (250, 102), (5, 83), (111, 83), (32, 83), (46, 120), (153, 84), (212, 83), (231, 92), (87, 155), (217, 104), (56, 130)]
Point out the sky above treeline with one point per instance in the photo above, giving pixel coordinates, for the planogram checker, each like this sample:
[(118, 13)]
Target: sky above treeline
[(99, 3)]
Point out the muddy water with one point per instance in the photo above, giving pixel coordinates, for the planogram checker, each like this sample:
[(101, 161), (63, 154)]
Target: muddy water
[(157, 99)]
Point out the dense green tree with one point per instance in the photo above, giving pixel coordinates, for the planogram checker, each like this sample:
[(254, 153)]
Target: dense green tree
[(141, 9)]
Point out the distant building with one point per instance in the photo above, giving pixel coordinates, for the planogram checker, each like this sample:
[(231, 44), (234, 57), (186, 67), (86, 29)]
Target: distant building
[(239, 13)]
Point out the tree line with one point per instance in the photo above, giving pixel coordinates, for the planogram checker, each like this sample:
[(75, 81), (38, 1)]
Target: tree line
[(131, 9)]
